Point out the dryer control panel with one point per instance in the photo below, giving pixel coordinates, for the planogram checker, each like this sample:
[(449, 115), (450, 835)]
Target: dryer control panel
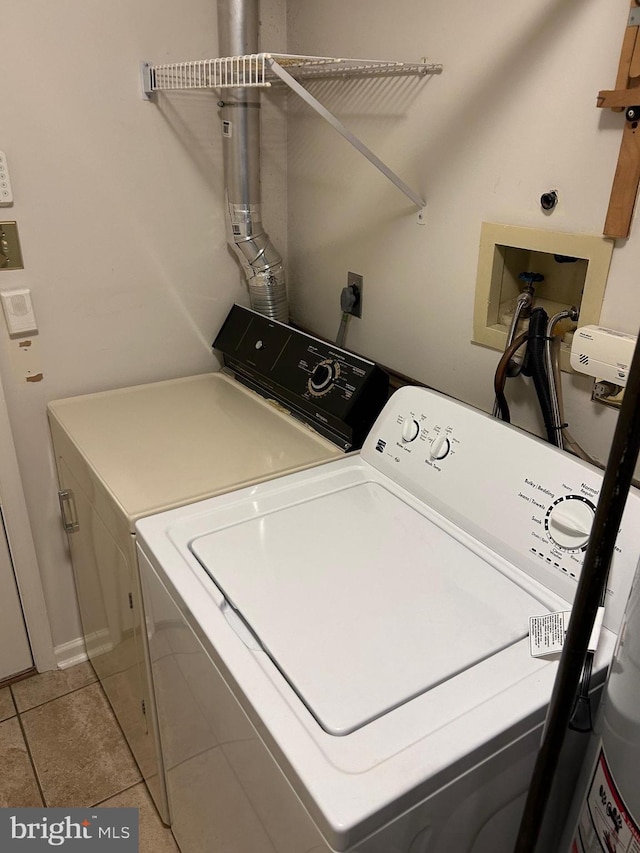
[(337, 392), (529, 501)]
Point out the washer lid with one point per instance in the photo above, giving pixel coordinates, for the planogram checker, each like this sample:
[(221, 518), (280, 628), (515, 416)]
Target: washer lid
[(361, 601)]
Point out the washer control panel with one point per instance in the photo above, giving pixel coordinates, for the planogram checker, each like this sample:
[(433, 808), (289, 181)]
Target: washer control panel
[(531, 502), (337, 392), (436, 439)]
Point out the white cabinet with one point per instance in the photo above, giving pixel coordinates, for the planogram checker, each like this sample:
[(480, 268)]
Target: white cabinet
[(107, 586)]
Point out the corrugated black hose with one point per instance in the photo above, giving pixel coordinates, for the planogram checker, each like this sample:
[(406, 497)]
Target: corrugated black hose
[(593, 578), (534, 365)]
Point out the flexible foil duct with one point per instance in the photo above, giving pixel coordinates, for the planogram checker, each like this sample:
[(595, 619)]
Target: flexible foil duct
[(238, 22)]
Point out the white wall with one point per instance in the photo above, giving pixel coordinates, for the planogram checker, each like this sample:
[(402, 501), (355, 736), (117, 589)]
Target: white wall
[(512, 115), (119, 201), (120, 211)]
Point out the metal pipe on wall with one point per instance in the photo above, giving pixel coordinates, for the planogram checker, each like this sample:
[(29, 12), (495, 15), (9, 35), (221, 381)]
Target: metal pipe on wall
[(238, 24)]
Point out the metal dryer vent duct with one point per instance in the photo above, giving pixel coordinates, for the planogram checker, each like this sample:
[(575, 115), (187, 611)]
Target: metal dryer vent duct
[(238, 23)]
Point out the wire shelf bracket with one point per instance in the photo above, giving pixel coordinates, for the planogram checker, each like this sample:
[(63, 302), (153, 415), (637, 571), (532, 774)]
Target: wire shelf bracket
[(261, 70)]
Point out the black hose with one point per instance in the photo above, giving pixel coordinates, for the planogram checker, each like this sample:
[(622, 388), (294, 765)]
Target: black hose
[(593, 578), (534, 365)]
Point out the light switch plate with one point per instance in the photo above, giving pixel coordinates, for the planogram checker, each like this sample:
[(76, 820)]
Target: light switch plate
[(10, 252)]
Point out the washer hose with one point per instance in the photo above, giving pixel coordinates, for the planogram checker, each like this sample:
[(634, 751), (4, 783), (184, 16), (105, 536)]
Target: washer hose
[(523, 307), (534, 366), (501, 407), (552, 375)]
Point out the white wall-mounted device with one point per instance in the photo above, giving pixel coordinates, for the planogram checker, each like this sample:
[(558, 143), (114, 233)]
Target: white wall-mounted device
[(6, 193), (603, 353), (18, 311)]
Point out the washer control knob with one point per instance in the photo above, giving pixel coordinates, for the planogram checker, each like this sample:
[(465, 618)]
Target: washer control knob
[(440, 446), (568, 522), (410, 429)]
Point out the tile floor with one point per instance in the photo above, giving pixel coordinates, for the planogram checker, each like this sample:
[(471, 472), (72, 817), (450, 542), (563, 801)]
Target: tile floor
[(60, 745)]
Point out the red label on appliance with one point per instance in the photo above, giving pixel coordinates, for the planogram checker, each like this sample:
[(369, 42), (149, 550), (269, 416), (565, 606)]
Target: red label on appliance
[(605, 825)]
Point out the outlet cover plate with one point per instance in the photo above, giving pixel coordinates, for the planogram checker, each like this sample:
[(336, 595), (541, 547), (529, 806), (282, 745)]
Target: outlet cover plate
[(356, 281)]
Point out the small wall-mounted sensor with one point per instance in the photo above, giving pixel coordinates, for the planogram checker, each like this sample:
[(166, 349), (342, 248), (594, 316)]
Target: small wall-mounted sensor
[(18, 311), (603, 353)]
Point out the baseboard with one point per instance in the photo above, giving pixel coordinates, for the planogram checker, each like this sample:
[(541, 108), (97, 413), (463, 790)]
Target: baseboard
[(71, 653)]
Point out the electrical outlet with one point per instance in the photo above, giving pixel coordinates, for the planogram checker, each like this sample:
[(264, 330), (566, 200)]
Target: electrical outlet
[(607, 393), (355, 284)]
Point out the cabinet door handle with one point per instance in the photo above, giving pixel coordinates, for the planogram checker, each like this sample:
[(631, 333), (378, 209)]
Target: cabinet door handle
[(68, 511)]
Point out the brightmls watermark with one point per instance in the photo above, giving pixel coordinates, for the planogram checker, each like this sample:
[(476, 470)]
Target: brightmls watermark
[(70, 830)]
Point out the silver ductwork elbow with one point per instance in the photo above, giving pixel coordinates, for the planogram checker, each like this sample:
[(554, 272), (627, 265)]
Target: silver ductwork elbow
[(238, 22)]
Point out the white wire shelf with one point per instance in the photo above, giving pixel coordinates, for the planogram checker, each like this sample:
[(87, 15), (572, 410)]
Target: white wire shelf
[(261, 70), (258, 70)]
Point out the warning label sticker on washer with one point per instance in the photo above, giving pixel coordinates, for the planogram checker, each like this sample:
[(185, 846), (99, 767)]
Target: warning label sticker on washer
[(546, 633), (605, 825)]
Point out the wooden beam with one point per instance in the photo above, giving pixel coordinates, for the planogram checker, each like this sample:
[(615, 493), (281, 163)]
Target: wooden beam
[(626, 56), (634, 65), (619, 99), (625, 184), (626, 94)]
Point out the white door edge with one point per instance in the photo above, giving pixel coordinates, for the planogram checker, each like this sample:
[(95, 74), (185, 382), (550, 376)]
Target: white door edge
[(22, 548)]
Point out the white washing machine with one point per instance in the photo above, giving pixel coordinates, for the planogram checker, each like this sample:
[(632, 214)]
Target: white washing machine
[(341, 657)]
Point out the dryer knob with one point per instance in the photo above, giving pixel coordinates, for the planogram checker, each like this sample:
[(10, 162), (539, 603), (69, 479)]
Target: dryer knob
[(410, 429), (322, 376)]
